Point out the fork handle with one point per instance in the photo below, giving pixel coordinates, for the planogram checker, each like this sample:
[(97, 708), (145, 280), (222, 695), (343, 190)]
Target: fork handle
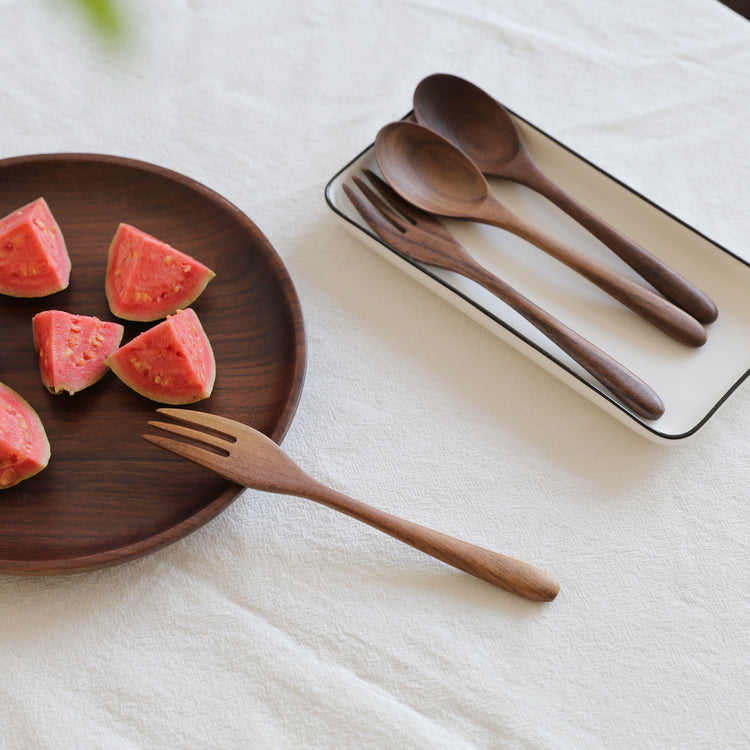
[(510, 574), (628, 387)]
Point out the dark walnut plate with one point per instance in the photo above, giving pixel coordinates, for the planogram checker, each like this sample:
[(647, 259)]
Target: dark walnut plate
[(107, 495)]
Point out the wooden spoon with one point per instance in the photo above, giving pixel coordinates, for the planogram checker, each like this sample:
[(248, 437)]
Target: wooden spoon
[(436, 176), (482, 128)]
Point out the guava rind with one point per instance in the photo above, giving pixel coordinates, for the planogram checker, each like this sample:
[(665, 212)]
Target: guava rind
[(172, 362), (72, 349), (24, 447), (34, 261), (147, 279)]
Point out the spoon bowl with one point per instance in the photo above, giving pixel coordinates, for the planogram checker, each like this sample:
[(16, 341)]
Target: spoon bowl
[(438, 177), (431, 173), (483, 129), (471, 119)]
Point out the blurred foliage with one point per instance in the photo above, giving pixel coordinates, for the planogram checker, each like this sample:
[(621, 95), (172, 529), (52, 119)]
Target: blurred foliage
[(103, 15)]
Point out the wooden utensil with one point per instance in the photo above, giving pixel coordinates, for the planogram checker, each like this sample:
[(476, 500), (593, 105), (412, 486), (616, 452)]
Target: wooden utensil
[(436, 176), (245, 456), (421, 237), (482, 128), (107, 497)]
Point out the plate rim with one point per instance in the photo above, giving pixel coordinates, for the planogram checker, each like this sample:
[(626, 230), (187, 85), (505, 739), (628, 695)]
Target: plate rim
[(154, 542)]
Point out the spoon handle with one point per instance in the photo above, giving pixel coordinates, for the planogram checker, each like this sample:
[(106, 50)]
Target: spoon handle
[(512, 575), (625, 385), (658, 311), (657, 273)]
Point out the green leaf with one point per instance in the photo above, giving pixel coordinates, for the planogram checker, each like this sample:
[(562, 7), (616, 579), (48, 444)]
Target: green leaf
[(104, 15)]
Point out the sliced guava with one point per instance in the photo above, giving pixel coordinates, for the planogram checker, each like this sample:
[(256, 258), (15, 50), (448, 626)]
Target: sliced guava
[(34, 261), (171, 362), (147, 279), (72, 349), (24, 447)]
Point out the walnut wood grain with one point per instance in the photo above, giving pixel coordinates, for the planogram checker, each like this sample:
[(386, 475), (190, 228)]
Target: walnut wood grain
[(479, 125), (252, 459), (435, 175), (106, 497), (422, 238)]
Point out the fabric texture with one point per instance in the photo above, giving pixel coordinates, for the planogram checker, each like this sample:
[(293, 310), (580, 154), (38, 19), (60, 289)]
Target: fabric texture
[(282, 624)]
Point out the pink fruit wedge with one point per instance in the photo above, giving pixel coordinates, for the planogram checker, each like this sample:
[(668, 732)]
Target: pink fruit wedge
[(34, 261), (72, 349), (172, 362), (24, 447), (147, 279)]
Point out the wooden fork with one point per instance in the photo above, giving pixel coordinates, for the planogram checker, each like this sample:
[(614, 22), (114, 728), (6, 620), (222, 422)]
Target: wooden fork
[(249, 458), (421, 237)]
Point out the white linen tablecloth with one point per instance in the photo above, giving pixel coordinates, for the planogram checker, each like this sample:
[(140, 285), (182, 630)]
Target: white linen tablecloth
[(282, 624)]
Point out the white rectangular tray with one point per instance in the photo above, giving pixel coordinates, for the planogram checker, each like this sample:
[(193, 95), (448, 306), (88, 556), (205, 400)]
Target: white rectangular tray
[(693, 383)]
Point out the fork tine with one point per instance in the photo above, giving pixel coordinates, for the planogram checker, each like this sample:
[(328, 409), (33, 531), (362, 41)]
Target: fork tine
[(377, 222), (416, 216), (210, 460), (388, 211), (228, 427), (408, 210), (220, 443)]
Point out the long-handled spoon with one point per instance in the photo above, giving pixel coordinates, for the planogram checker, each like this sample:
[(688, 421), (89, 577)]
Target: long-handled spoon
[(436, 176), (482, 128)]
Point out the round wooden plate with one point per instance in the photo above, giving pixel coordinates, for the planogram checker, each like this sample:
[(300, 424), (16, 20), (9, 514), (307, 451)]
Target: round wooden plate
[(107, 495)]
